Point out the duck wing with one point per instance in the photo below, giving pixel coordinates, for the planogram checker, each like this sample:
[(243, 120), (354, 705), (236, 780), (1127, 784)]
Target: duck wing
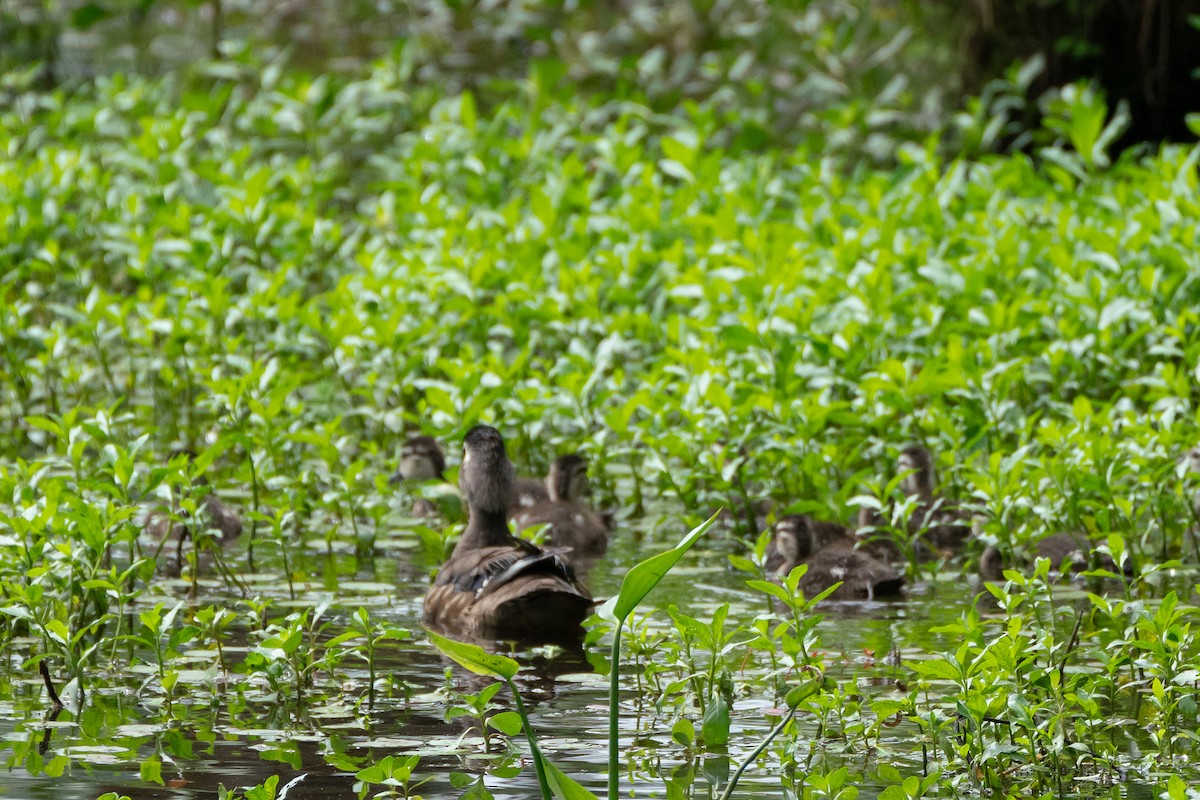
[(548, 562), (514, 591)]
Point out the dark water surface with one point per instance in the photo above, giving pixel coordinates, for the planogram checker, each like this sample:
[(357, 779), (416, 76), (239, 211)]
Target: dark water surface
[(244, 736)]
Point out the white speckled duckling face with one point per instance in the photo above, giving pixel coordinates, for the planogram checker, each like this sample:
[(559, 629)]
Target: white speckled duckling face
[(792, 538), (567, 480)]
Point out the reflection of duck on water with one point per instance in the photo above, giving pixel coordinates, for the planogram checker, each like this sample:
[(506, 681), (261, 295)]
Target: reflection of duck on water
[(495, 585)]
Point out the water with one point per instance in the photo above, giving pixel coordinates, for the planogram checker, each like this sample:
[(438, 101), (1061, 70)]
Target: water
[(246, 734)]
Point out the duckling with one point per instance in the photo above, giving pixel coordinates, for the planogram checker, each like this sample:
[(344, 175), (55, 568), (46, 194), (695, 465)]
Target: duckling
[(1067, 553), (495, 585), (527, 493), (572, 522), (213, 515), (421, 459), (828, 550), (946, 527), (874, 540)]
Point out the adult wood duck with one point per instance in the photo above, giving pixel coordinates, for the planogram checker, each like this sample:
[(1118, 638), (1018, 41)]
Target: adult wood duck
[(494, 585), (828, 550), (572, 521), (946, 526)]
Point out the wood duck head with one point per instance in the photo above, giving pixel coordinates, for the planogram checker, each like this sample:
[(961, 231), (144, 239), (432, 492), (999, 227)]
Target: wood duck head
[(486, 476)]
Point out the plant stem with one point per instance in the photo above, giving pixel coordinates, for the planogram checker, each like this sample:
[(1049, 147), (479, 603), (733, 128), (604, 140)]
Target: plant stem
[(756, 752), (614, 713), (538, 766)]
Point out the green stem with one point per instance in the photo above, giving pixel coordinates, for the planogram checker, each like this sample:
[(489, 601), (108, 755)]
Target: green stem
[(756, 752), (533, 748), (614, 714)]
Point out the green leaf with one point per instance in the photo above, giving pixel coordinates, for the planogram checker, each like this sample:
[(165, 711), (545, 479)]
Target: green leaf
[(773, 589), (798, 694), (937, 669), (88, 14), (507, 722), (684, 732), (715, 728), (151, 771), (645, 575), (675, 170), (475, 658), (564, 787)]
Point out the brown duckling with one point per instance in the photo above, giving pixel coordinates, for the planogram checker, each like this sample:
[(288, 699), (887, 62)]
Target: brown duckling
[(572, 521), (828, 550), (874, 540), (214, 515), (1067, 553), (946, 526), (527, 493), (494, 585), (421, 459), (221, 522)]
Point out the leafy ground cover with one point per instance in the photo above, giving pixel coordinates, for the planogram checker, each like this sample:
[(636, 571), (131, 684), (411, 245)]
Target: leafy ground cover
[(287, 274)]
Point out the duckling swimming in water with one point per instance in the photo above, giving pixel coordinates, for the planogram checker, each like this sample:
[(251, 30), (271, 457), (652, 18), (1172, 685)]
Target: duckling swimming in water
[(828, 550), (572, 521)]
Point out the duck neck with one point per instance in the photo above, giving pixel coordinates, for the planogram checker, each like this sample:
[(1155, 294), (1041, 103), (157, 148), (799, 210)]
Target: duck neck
[(485, 529)]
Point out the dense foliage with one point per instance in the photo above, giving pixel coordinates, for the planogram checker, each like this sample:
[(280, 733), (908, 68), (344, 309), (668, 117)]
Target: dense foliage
[(289, 273)]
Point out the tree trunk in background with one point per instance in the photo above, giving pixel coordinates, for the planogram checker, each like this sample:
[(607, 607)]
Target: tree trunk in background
[(1146, 52)]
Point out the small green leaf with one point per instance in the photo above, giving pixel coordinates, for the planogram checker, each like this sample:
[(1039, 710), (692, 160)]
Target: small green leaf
[(936, 669), (715, 728), (684, 732), (507, 722), (475, 658), (151, 771), (798, 694)]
